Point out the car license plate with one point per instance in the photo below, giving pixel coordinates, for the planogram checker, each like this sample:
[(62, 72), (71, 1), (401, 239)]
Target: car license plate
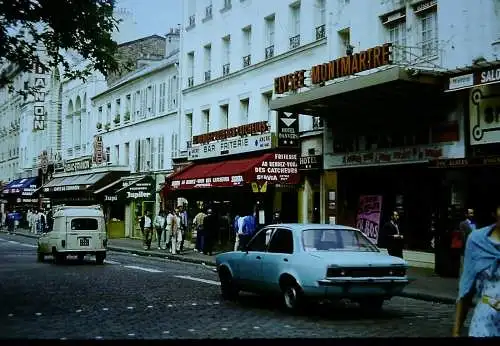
[(84, 241)]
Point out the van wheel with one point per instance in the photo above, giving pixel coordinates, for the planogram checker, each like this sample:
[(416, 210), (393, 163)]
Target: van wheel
[(58, 257), (81, 258), (40, 257), (99, 258)]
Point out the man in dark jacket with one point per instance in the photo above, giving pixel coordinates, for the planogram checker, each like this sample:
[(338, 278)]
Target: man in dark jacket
[(393, 237), (10, 222), (210, 229)]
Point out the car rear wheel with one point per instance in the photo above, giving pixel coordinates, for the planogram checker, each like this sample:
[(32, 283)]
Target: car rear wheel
[(58, 257), (293, 297), (371, 304), (228, 288), (81, 258), (99, 258), (40, 257)]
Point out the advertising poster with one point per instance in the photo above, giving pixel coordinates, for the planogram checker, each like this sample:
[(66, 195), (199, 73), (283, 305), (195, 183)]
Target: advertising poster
[(368, 217)]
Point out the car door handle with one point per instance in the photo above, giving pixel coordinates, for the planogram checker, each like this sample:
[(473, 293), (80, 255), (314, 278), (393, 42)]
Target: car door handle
[(285, 259), (258, 257)]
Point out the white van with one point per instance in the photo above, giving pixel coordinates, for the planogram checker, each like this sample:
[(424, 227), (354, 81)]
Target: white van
[(76, 231)]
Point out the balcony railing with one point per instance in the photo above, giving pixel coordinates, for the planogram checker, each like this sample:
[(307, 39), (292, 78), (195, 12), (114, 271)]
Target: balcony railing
[(423, 53), (191, 21), (208, 13), (294, 41), (247, 60), (190, 81), (270, 51), (225, 69), (320, 32), (207, 76)]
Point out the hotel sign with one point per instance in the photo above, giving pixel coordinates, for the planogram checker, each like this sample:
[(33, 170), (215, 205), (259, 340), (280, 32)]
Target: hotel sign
[(238, 131), (342, 67), (231, 147)]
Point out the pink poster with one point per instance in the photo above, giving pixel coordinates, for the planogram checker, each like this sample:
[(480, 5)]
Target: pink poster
[(368, 217)]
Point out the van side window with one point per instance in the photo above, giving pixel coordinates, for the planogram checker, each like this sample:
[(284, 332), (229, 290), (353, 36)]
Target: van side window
[(84, 224)]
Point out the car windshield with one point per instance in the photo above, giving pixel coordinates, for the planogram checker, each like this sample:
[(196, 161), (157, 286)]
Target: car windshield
[(336, 240)]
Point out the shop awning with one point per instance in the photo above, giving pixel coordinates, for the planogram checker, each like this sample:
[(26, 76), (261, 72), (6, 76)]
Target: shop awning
[(392, 84), (21, 186), (139, 186), (73, 182), (271, 167)]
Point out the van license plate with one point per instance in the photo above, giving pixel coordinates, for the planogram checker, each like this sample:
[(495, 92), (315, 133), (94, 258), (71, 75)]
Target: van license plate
[(84, 242)]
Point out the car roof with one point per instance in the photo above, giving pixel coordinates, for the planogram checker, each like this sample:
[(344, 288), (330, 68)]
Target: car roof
[(306, 226), (79, 212)]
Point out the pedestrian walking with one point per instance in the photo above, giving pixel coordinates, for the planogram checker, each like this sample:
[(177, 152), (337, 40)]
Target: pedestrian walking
[(29, 218), (147, 233), (198, 225), (11, 221), (466, 227), (41, 222), (159, 224), (247, 230), (237, 226), (393, 237), (35, 219), (50, 220), (481, 280), (210, 229), (169, 222), (184, 226), (276, 217), (176, 232)]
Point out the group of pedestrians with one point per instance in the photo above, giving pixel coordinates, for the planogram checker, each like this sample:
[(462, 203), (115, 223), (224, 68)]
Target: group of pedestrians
[(39, 221), (171, 228), (206, 226)]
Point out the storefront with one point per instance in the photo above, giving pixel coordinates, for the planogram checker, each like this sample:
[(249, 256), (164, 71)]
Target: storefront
[(20, 195), (125, 201), (378, 140), (240, 171), (77, 184), (311, 171)]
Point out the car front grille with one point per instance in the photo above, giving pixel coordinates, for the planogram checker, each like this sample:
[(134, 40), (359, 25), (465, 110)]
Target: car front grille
[(366, 272)]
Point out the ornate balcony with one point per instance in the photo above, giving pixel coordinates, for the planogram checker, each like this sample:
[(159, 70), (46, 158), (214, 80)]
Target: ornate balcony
[(208, 13), (225, 69), (247, 61), (294, 41), (190, 81), (207, 76), (320, 32)]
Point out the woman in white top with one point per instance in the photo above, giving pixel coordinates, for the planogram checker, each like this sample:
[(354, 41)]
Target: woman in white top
[(176, 233), (159, 224)]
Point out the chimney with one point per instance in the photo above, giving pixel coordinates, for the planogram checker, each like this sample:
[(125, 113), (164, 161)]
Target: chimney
[(172, 41)]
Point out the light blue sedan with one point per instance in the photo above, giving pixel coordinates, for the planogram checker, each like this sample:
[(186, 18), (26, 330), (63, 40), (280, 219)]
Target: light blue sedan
[(302, 262)]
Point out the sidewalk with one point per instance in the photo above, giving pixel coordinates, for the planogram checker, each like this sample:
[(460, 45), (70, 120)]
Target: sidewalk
[(425, 285)]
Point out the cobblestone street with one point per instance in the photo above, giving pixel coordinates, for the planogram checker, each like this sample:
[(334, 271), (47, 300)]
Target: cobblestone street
[(141, 297)]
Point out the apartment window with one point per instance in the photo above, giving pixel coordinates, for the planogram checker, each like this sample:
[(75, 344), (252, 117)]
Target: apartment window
[(267, 97), (117, 154), (138, 155), (295, 25), (189, 126), (205, 121), (320, 19), (247, 46), (137, 103), (163, 87), (270, 32), (345, 41), (128, 106), (207, 61), (227, 5), (126, 154), (226, 54), (190, 66), (161, 152), (192, 17), (108, 114), (172, 92), (244, 105), (208, 11), (429, 30), (397, 36), (149, 100), (224, 116), (108, 154)]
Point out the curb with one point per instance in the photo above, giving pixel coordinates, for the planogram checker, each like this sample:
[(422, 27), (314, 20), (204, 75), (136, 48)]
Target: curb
[(179, 258)]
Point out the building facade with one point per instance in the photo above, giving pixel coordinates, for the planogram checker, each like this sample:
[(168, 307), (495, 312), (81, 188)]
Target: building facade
[(227, 68), (387, 119)]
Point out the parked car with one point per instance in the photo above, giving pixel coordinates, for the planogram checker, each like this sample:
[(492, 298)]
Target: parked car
[(303, 262), (78, 231)]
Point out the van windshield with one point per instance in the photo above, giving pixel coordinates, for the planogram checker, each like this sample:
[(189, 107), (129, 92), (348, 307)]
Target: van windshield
[(84, 224)]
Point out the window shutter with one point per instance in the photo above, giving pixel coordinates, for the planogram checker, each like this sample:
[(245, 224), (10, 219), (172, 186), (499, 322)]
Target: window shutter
[(137, 157)]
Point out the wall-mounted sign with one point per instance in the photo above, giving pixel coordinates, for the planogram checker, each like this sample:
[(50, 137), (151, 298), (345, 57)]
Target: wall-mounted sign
[(112, 198), (222, 181), (288, 130), (39, 113), (469, 162), (342, 67), (239, 131), (76, 166), (143, 189), (281, 169), (368, 217), (383, 157), (231, 146), (98, 156), (313, 162), (28, 191), (484, 115), (482, 77), (44, 162), (65, 188)]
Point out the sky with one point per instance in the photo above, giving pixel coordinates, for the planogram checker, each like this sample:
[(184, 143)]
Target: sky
[(152, 16)]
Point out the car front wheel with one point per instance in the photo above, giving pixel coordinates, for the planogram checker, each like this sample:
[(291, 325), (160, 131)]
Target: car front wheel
[(293, 297)]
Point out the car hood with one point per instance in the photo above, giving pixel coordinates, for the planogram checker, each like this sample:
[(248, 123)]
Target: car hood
[(357, 258)]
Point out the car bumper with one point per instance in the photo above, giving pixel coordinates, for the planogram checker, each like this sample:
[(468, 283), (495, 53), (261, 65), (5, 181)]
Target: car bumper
[(355, 287)]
